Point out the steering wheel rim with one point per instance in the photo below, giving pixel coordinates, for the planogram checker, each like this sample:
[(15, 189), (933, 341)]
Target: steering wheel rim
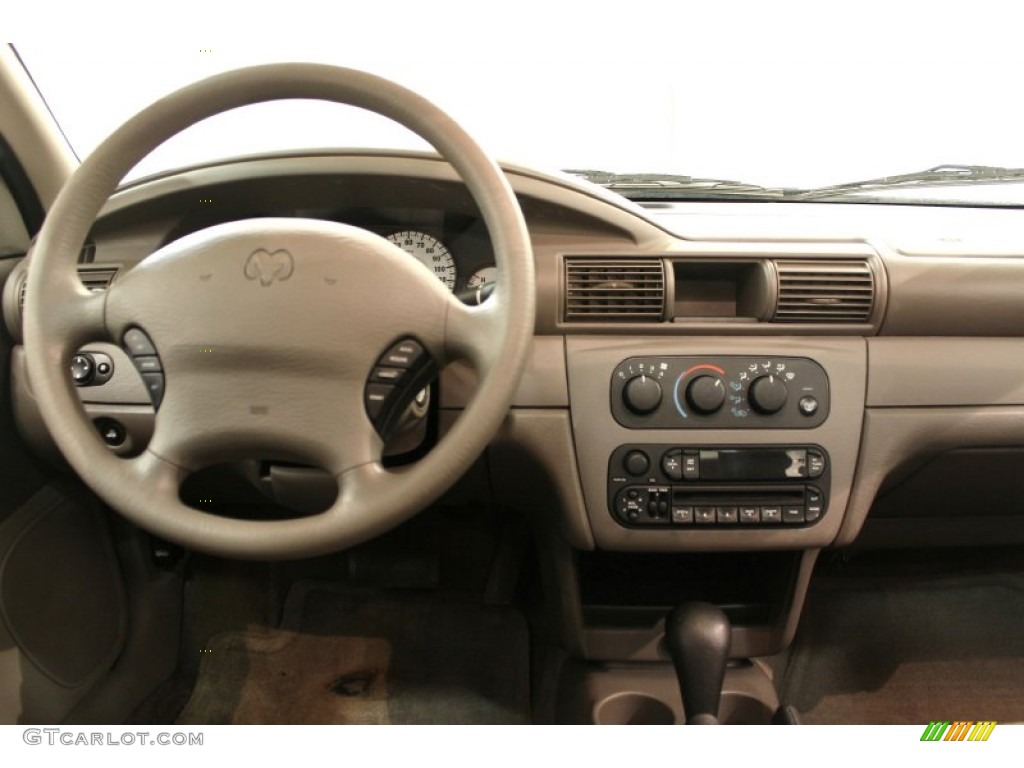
[(60, 316)]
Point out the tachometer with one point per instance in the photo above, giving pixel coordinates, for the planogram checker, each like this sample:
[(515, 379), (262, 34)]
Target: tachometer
[(430, 252)]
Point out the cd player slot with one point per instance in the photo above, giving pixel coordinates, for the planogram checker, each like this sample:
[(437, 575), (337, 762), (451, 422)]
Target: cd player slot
[(709, 494)]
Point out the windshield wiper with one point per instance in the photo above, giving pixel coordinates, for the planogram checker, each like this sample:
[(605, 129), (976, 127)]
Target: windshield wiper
[(659, 186), (939, 176)]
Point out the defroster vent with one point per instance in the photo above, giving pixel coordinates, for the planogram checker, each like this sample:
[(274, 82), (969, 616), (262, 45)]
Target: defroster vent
[(623, 290), (833, 291)]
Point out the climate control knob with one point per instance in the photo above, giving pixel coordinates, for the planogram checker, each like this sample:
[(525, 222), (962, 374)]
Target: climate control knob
[(767, 394), (642, 394), (705, 394)]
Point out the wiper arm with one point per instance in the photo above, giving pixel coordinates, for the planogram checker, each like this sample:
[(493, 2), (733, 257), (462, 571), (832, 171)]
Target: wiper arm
[(647, 186), (939, 176)]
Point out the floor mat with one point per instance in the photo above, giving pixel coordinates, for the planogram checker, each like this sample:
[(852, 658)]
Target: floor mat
[(909, 651), (344, 657)]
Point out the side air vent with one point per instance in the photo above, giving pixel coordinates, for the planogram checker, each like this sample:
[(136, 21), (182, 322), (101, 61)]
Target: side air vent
[(95, 278), (833, 291), (622, 290)]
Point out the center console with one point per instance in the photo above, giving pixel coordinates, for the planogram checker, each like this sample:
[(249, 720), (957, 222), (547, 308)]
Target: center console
[(713, 469), (690, 444)]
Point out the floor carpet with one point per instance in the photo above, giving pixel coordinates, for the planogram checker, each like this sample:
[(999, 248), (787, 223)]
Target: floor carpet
[(363, 658), (878, 649)]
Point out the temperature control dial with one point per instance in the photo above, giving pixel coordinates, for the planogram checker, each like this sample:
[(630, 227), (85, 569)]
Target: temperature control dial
[(706, 394), (642, 394), (767, 394)]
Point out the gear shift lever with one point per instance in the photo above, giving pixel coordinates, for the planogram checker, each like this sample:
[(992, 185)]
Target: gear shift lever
[(698, 637)]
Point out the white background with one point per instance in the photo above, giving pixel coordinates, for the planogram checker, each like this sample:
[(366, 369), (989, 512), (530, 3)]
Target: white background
[(788, 94)]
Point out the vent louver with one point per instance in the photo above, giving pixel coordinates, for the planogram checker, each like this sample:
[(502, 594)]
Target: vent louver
[(623, 290), (834, 291), (94, 278)]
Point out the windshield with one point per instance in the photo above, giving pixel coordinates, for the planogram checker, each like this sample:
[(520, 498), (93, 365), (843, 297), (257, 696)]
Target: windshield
[(715, 95)]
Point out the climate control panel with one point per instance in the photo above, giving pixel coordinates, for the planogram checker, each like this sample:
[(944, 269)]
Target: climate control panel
[(719, 393), (673, 486)]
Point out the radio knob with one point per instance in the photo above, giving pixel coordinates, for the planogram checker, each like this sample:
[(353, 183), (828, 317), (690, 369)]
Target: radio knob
[(705, 394), (767, 394), (642, 394)]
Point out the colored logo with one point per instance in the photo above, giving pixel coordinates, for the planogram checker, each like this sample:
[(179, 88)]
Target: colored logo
[(960, 730), (268, 267)]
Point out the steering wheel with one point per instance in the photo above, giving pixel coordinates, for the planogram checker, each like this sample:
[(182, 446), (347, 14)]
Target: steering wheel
[(268, 331)]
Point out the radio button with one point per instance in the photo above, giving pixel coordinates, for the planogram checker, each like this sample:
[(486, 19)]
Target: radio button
[(704, 515), (672, 464), (636, 463), (728, 515), (691, 465), (793, 515), (771, 515), (814, 511), (750, 514), (815, 464), (682, 515)]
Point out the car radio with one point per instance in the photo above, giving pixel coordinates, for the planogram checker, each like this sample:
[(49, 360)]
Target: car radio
[(671, 486)]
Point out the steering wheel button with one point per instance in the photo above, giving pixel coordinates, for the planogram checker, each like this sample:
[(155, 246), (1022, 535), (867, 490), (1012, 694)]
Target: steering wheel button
[(137, 343), (377, 396), (388, 374), (405, 354), (111, 431), (155, 386), (148, 364), (82, 369)]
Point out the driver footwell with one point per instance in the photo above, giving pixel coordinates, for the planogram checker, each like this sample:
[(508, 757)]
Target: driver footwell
[(345, 656)]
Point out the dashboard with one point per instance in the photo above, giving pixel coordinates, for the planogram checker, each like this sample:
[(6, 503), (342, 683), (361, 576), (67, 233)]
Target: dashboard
[(704, 376)]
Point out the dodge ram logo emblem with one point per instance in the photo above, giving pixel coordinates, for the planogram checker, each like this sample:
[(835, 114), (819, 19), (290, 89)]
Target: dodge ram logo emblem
[(268, 266)]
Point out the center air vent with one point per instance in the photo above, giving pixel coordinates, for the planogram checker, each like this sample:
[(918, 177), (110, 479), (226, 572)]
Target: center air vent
[(93, 277), (833, 291), (623, 290)]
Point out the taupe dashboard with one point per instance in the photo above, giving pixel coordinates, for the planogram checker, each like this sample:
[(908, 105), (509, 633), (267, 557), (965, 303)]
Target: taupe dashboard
[(913, 315)]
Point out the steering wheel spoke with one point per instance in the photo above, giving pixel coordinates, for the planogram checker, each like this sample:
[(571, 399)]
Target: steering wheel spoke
[(79, 319), (471, 332)]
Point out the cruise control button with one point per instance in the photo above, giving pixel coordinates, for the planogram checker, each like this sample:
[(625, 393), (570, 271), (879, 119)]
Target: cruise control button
[(148, 364), (387, 375), (771, 515), (137, 343), (155, 386), (750, 514), (793, 515), (404, 354), (376, 396)]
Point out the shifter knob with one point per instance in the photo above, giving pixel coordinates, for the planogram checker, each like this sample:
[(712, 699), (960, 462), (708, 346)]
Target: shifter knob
[(698, 636)]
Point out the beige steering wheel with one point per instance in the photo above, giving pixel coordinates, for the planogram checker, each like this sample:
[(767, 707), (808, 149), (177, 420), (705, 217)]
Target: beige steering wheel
[(268, 330)]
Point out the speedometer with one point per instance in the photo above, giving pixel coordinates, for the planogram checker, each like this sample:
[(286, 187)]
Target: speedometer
[(430, 252)]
